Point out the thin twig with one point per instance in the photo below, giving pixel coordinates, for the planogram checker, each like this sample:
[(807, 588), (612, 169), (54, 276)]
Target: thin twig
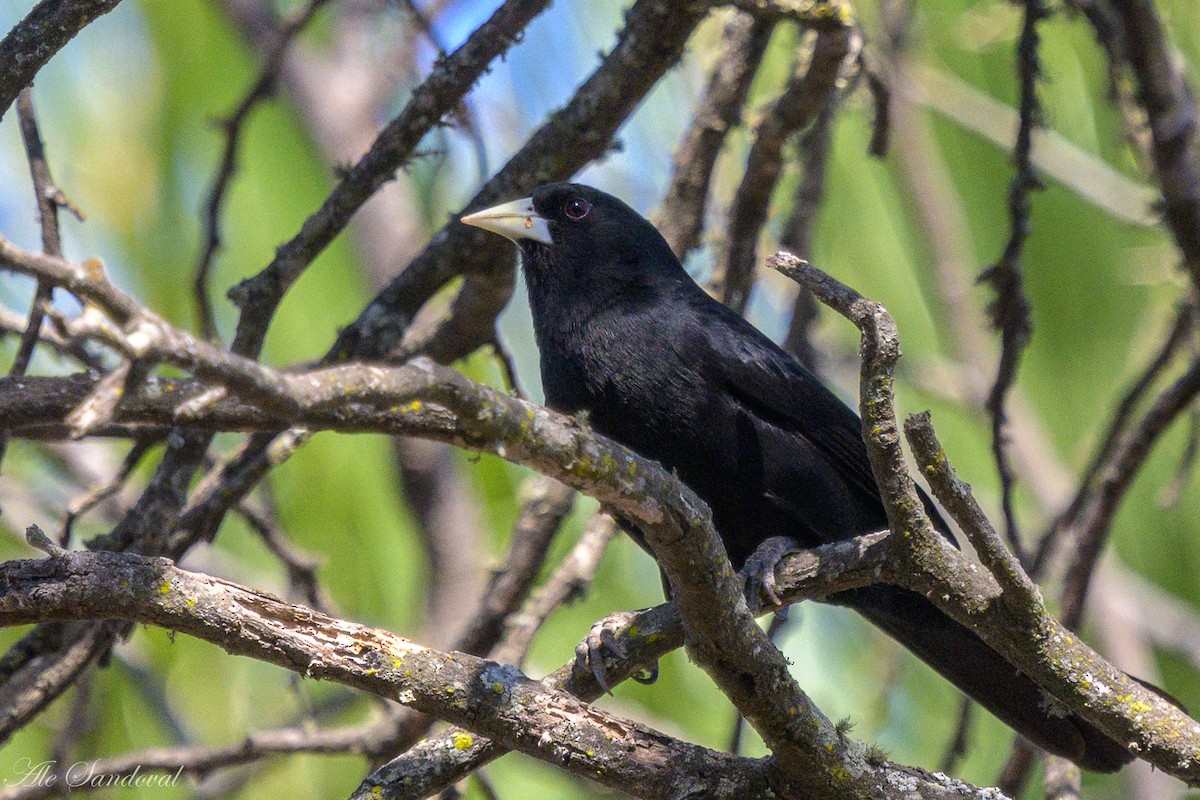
[(798, 231), (463, 113), (960, 742), (1088, 531), (232, 127), (49, 199), (1169, 101), (1010, 310), (546, 504), (743, 44), (795, 109), (82, 505), (567, 582), (301, 567)]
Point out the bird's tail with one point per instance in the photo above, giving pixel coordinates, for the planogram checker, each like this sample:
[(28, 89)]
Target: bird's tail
[(985, 676)]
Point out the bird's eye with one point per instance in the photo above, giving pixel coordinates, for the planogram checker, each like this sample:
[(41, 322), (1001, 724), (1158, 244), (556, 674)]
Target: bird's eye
[(577, 208)]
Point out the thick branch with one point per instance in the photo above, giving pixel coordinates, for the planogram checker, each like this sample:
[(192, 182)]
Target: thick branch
[(1024, 633), (437, 763), (483, 696)]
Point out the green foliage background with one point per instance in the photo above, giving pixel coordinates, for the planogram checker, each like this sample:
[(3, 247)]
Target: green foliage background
[(126, 112)]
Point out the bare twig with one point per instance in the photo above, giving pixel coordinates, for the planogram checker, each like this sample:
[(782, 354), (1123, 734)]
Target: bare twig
[(796, 108), (508, 368), (960, 742), (1088, 530), (232, 127), (1010, 311), (797, 233), (681, 219), (1019, 589), (462, 114), (301, 567), (12, 323), (546, 504), (84, 504), (1020, 762), (448, 529), (49, 199), (1180, 333), (567, 582)]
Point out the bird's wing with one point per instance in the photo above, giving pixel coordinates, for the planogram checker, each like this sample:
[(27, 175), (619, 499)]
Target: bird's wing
[(777, 388)]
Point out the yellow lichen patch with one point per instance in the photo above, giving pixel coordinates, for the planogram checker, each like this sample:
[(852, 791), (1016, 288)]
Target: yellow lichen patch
[(164, 587), (449, 690), (191, 602), (463, 740), (498, 687), (397, 662), (412, 407)]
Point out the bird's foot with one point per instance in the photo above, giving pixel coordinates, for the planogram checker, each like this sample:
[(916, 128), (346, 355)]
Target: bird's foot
[(602, 641), (758, 574)]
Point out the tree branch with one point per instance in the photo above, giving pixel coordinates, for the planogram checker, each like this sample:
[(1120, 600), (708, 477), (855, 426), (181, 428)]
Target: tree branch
[(34, 40), (490, 699)]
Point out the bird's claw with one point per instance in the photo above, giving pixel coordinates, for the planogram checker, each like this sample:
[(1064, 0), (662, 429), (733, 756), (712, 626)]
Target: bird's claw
[(647, 676), (601, 639), (758, 573)]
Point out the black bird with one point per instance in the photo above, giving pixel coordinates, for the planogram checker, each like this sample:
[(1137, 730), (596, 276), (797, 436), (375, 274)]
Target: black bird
[(628, 337)]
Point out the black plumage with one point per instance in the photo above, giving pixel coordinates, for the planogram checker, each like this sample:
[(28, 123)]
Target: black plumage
[(628, 337)]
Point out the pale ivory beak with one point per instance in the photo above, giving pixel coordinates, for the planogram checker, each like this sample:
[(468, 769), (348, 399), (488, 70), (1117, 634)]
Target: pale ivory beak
[(516, 220)]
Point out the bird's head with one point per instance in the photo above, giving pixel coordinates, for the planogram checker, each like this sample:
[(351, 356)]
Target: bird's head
[(574, 235)]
